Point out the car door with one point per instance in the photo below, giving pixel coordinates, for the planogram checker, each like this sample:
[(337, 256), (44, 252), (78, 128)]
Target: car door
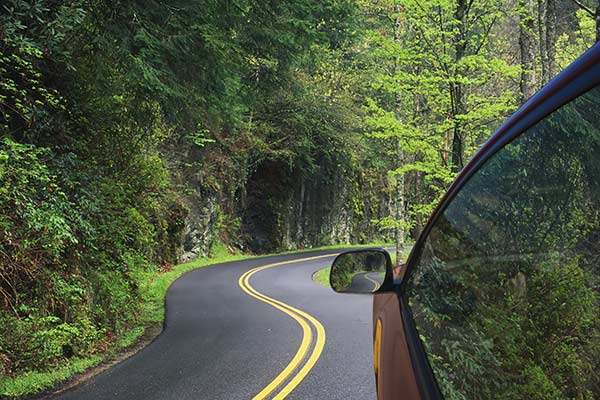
[(500, 297)]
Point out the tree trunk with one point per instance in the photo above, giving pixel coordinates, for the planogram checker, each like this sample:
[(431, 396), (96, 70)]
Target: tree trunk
[(527, 50), (457, 148), (594, 13), (399, 197), (400, 218), (456, 91), (542, 37), (551, 37)]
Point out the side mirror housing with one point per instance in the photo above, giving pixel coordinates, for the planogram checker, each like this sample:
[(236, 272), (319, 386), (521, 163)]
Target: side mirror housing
[(361, 271)]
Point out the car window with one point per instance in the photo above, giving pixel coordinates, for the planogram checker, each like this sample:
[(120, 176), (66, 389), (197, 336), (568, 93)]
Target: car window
[(505, 295)]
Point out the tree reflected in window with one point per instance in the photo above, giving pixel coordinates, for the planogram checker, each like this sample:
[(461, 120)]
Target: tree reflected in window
[(506, 293)]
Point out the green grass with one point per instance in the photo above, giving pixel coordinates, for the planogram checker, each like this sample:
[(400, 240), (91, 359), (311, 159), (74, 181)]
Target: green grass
[(154, 288), (322, 276), (35, 382)]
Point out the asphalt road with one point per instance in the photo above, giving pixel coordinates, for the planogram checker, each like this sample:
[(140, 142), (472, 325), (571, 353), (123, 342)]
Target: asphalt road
[(221, 343)]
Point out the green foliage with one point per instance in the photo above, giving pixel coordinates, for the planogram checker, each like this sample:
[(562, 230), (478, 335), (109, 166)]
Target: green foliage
[(75, 230), (94, 97), (538, 385), (32, 382), (569, 48), (118, 120), (431, 68), (24, 100), (36, 343), (41, 25)]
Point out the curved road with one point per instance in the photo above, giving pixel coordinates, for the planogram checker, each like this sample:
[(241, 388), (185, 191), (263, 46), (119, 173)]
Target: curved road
[(220, 342), (365, 282)]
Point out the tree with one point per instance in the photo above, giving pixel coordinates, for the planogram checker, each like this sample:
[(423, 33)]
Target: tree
[(527, 81), (436, 67), (593, 12)]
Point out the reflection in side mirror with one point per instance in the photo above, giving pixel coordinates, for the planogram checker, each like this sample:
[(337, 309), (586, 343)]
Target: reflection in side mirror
[(361, 271)]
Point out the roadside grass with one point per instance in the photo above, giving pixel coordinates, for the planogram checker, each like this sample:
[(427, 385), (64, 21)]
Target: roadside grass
[(34, 382), (322, 277), (154, 288)]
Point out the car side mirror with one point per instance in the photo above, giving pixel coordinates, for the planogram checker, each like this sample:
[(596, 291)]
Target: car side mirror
[(361, 271)]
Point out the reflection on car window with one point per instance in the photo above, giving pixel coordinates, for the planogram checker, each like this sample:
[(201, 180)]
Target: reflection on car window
[(506, 293)]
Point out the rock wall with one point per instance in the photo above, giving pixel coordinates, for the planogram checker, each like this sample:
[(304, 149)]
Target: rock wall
[(273, 207), (200, 229), (287, 210)]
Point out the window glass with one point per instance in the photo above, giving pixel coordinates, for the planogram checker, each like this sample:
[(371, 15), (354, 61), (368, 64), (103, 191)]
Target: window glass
[(506, 293)]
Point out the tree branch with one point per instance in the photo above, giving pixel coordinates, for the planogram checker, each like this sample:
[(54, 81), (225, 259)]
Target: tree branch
[(584, 8)]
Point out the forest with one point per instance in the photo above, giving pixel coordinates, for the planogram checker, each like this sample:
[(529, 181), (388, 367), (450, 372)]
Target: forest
[(137, 135)]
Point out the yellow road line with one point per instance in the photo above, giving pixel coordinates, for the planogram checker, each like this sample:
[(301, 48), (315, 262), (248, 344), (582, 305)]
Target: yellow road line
[(300, 317), (320, 344), (377, 284), (302, 350)]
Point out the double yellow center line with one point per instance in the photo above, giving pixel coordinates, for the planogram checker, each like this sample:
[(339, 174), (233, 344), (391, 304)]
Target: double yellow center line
[(377, 284), (300, 364)]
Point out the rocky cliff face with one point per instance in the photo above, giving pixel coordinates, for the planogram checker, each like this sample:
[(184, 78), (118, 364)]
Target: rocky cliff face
[(274, 207), (200, 201), (200, 228), (288, 210)]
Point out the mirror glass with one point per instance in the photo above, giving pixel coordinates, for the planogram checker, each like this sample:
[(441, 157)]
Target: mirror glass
[(358, 271)]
